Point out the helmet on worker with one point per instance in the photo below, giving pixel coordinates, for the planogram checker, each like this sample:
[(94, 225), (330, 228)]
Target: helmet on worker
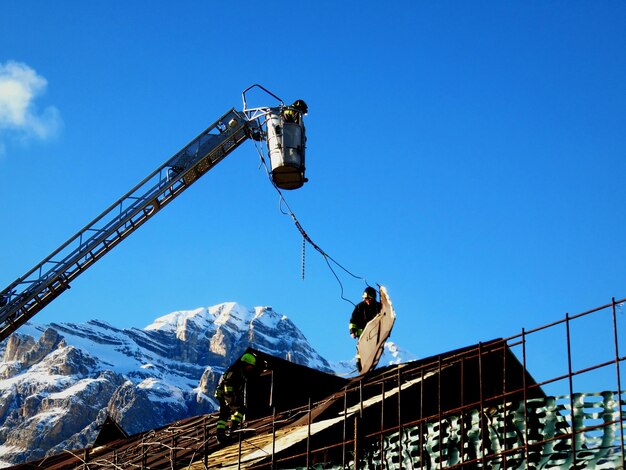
[(369, 293), (301, 106), (248, 358)]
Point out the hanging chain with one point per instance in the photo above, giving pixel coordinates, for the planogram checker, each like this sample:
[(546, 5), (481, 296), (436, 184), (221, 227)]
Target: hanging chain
[(303, 252)]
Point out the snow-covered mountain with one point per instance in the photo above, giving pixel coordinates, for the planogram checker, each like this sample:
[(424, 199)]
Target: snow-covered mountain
[(59, 381)]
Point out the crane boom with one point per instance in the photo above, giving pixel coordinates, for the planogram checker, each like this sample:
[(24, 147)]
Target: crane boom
[(29, 294)]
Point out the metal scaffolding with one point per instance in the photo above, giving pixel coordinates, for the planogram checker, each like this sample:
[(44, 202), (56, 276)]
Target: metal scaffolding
[(476, 407)]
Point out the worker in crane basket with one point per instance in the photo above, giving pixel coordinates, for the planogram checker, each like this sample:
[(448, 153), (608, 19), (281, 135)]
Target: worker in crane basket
[(362, 314), (231, 391), (295, 112)]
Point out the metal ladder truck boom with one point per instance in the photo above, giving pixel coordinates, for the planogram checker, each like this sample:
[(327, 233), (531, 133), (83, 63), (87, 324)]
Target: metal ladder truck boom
[(285, 139)]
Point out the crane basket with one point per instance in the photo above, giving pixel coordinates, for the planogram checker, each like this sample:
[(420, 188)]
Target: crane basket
[(286, 141)]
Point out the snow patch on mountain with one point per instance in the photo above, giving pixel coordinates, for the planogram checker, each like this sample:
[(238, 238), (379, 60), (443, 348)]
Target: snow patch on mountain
[(392, 355)]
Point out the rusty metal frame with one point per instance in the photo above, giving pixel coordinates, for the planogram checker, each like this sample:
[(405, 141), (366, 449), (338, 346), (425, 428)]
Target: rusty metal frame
[(190, 443)]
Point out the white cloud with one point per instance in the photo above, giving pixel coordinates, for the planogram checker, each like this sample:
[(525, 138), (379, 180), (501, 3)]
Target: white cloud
[(20, 85)]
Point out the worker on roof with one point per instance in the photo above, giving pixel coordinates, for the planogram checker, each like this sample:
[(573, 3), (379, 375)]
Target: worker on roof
[(294, 112), (363, 312), (231, 391)]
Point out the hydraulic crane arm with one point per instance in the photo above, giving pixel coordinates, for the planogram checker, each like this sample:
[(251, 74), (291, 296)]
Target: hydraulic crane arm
[(30, 293), (281, 126)]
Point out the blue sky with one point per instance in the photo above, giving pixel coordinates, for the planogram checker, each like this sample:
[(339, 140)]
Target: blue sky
[(468, 155)]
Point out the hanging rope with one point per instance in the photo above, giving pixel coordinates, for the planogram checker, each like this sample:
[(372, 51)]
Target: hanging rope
[(305, 236)]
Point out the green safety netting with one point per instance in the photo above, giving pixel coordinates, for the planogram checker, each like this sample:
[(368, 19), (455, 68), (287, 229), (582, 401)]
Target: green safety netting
[(494, 437)]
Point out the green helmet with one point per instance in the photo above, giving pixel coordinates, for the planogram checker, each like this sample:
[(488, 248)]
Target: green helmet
[(248, 359)]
